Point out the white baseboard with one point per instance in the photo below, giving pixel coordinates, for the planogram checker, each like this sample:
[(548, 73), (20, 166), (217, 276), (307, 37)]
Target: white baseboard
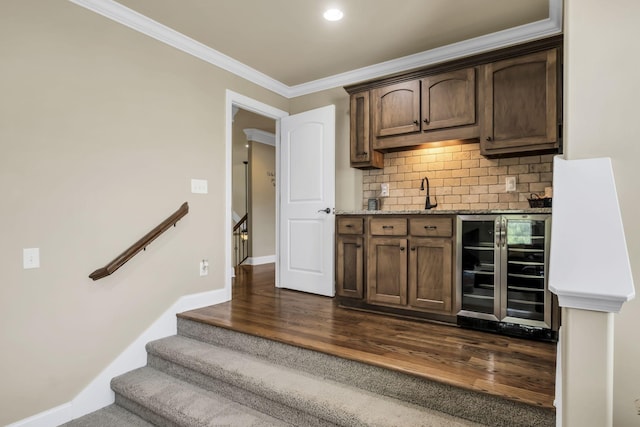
[(268, 259), (98, 393)]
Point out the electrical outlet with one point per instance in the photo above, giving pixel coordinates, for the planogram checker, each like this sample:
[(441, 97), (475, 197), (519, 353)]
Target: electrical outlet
[(384, 189), (510, 184), (204, 267), (31, 258)]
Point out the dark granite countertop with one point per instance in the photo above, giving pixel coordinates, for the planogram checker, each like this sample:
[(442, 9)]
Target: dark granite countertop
[(531, 211)]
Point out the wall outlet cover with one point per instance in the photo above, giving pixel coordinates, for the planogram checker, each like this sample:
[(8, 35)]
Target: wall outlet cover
[(384, 190), (31, 258), (510, 183), (204, 267)]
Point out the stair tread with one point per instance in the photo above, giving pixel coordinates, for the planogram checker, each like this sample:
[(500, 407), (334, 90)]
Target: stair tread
[(112, 415), (322, 397), (184, 403)]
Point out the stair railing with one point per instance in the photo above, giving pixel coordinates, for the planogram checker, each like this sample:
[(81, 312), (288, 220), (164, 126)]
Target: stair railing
[(241, 240), (141, 244)]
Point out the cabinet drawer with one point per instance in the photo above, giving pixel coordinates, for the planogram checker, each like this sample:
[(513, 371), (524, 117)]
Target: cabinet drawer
[(350, 225), (431, 227), (388, 226)]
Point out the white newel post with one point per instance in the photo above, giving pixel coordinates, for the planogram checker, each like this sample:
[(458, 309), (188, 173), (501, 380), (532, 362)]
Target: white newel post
[(589, 271)]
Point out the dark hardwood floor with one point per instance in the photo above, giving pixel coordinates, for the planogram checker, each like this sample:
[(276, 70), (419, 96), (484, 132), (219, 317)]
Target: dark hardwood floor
[(517, 369)]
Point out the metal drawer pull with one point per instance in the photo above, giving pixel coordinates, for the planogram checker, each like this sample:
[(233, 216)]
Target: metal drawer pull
[(349, 225), (358, 246), (430, 227), (402, 248), (413, 248), (387, 226)]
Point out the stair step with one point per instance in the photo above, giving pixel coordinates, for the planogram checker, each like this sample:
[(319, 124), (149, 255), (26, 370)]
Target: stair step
[(284, 392), (112, 415), (467, 404), (166, 401)]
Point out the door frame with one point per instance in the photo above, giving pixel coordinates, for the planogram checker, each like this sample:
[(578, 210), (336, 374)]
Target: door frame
[(233, 99)]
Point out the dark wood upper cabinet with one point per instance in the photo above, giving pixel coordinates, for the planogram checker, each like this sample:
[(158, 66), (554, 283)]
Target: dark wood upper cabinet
[(449, 100), (521, 105), (362, 154), (508, 99), (397, 109)]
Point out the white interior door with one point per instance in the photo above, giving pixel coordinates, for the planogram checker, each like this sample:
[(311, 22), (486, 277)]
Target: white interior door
[(307, 200)]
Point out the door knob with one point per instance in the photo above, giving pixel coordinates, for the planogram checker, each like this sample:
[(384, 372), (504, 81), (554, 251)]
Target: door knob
[(327, 210)]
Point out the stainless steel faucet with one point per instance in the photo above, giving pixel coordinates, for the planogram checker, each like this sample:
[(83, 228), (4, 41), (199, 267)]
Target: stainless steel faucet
[(427, 203)]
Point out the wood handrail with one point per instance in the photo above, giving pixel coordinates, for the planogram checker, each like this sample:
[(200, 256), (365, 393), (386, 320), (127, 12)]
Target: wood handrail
[(140, 244), (243, 219)]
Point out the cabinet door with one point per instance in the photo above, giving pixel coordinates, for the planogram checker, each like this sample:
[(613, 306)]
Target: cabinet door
[(430, 277), (520, 105), (387, 271), (449, 100), (362, 154), (349, 266), (397, 109)]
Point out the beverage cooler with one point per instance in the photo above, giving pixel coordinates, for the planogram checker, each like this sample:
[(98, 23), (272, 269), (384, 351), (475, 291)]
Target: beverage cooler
[(502, 275)]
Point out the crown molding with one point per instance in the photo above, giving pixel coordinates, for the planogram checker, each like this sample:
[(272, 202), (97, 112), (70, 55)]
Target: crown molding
[(509, 37), (257, 135), (138, 22)]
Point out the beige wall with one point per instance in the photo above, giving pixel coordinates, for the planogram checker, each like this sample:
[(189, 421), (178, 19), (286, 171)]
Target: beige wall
[(101, 129), (348, 180), (262, 216), (601, 95), (459, 178)]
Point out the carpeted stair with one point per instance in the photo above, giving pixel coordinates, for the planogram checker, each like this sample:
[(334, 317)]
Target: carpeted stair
[(209, 376)]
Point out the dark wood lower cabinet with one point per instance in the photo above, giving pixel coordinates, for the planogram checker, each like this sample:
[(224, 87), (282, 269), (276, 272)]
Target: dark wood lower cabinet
[(400, 264), (387, 271), (350, 266), (430, 274)]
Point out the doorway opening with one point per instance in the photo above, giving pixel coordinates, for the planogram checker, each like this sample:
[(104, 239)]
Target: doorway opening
[(253, 200), (261, 114)]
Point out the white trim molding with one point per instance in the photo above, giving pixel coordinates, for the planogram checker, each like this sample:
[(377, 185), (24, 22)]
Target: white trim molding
[(234, 99), (589, 267), (257, 135), (259, 260), (509, 37), (98, 393)]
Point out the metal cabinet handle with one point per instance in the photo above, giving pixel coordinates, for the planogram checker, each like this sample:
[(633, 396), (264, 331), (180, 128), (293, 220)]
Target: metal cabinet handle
[(488, 138), (503, 231), (416, 122), (349, 225), (430, 227), (387, 227), (426, 121), (358, 246), (327, 210), (402, 248), (413, 248)]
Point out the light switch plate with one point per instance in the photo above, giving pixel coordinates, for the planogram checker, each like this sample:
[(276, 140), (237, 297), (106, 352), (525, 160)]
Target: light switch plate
[(510, 184), (199, 186), (31, 258)]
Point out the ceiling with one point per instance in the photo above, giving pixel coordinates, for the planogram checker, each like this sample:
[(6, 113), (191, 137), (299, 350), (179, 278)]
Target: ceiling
[(289, 43)]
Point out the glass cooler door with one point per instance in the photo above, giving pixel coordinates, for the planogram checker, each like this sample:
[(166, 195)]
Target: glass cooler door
[(524, 254), (479, 259)]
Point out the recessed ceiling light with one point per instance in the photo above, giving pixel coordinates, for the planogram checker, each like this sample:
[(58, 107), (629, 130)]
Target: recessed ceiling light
[(333, 15)]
